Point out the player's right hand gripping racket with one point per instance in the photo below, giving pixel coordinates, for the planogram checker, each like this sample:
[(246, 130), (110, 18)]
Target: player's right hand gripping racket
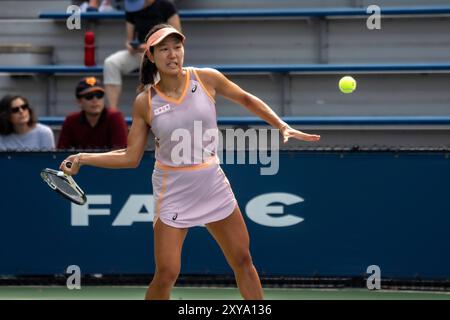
[(64, 184)]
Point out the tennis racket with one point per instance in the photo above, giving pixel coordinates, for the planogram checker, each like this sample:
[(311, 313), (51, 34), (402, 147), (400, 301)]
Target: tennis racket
[(64, 185)]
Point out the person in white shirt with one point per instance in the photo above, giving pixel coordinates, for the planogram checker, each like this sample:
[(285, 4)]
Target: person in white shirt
[(19, 129)]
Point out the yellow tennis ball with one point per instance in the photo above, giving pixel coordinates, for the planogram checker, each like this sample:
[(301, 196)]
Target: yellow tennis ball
[(347, 84)]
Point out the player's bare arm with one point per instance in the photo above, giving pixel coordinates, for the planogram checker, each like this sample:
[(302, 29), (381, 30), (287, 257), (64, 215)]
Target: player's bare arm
[(217, 83)]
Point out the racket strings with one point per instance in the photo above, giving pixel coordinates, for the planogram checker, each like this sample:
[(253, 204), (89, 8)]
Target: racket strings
[(64, 186)]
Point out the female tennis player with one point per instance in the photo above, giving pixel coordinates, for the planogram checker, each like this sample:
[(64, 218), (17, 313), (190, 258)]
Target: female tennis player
[(192, 191)]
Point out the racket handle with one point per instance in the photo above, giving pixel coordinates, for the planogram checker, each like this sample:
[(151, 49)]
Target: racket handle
[(69, 165)]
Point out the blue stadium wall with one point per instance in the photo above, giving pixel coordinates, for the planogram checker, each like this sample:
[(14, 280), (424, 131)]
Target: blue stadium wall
[(323, 214)]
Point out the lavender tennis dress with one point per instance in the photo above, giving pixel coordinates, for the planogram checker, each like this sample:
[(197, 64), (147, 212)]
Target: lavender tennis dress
[(189, 187)]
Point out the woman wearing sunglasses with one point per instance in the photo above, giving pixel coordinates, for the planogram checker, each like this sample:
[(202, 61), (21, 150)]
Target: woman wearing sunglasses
[(95, 126), (19, 130)]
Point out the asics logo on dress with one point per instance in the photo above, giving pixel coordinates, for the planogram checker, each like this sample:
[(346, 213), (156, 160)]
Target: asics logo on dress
[(162, 109), (194, 88)]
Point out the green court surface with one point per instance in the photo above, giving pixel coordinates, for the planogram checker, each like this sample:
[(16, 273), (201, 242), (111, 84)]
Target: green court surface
[(208, 293)]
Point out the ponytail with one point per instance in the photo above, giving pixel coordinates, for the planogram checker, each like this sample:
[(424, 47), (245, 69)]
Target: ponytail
[(147, 74)]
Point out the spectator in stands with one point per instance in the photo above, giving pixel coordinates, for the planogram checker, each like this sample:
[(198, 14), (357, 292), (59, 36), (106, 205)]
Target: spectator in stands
[(95, 126), (95, 5), (189, 189), (141, 16), (19, 130)]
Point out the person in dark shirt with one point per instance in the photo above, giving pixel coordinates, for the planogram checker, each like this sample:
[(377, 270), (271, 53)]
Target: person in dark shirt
[(141, 16), (95, 126)]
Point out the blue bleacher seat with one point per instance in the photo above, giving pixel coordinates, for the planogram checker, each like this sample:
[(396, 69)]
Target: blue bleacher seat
[(253, 68), (328, 120), (267, 13)]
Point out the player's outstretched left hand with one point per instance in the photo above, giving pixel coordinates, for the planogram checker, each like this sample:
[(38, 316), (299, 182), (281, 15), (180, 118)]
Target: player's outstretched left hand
[(288, 132)]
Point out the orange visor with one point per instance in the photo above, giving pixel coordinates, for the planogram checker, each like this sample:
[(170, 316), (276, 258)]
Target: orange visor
[(161, 34)]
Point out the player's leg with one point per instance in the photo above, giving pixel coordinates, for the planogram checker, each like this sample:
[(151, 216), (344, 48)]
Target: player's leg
[(232, 236), (168, 242)]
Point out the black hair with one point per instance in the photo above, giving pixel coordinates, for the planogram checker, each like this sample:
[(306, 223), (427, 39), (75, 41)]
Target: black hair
[(6, 127)]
